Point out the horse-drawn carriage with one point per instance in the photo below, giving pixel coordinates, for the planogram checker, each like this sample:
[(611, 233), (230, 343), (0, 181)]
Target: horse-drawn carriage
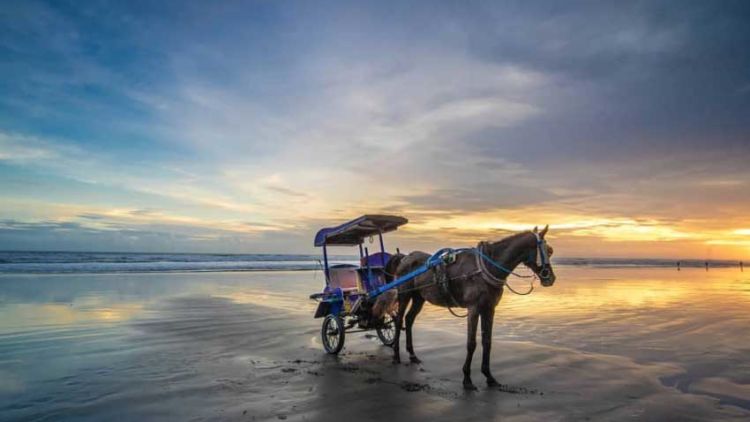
[(471, 278), (349, 295)]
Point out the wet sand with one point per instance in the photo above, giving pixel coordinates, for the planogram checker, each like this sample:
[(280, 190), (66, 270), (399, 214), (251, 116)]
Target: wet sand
[(602, 344)]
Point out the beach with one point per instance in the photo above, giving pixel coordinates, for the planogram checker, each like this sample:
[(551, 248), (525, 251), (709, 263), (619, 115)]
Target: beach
[(609, 343), (180, 181)]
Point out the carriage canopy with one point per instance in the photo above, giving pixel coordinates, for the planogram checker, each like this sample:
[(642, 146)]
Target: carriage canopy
[(354, 232)]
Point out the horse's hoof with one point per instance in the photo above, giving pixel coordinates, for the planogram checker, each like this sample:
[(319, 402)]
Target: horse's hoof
[(396, 361), (414, 359), (491, 382), (469, 386)]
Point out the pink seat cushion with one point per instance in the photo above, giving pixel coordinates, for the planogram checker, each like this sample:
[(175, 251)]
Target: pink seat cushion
[(347, 279)]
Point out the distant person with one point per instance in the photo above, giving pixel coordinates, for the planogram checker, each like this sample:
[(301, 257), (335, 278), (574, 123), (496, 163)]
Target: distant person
[(678, 265), (706, 265), (742, 267)]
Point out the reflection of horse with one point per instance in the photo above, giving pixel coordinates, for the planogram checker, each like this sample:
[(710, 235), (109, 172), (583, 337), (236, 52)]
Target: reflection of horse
[(473, 282)]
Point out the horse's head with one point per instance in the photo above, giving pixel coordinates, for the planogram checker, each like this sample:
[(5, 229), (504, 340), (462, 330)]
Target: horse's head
[(538, 259)]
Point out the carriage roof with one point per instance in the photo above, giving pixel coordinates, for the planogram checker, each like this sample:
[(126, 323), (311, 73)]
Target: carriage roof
[(354, 232)]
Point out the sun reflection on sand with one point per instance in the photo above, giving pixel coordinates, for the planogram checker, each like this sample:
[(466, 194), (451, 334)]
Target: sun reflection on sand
[(609, 334), (18, 317), (276, 301), (592, 295), (583, 291), (579, 291)]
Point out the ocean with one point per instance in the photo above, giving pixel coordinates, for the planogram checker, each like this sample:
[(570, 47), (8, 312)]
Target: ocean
[(20, 262), (123, 336)]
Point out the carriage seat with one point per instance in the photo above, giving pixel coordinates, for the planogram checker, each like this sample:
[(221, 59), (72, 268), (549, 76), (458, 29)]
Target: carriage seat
[(376, 260), (345, 277)]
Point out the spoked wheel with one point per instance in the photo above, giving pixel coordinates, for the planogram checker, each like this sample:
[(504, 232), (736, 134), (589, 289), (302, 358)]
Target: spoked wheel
[(387, 332), (332, 334)]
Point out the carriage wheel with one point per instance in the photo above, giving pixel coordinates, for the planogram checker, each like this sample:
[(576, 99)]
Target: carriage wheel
[(388, 331), (332, 334)]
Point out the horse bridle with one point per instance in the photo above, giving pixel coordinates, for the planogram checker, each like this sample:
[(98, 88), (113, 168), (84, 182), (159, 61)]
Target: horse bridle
[(540, 257)]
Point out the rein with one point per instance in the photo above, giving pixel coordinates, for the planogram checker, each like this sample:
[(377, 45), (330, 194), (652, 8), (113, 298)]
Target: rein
[(448, 256), (490, 278), (482, 270), (478, 252)]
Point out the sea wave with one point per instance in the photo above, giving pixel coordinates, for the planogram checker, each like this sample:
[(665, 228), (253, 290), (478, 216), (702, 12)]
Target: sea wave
[(106, 262)]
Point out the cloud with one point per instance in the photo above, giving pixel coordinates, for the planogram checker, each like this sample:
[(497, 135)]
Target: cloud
[(133, 230), (614, 122)]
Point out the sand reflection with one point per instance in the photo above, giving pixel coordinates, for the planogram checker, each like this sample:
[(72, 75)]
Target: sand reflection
[(628, 341), (596, 291), (20, 317)]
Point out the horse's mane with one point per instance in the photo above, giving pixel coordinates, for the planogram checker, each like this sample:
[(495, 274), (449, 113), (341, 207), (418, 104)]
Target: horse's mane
[(506, 241)]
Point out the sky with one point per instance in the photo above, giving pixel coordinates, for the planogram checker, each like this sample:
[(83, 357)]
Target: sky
[(246, 126)]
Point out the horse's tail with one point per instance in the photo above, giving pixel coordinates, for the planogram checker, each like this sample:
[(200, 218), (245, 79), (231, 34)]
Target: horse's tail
[(392, 266), (387, 302)]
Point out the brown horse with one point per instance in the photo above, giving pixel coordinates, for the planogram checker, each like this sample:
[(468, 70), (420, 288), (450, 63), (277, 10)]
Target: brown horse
[(471, 282)]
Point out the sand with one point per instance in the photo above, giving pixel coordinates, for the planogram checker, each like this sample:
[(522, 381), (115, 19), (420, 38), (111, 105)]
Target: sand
[(602, 344)]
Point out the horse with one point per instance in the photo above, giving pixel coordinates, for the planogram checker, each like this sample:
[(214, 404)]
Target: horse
[(474, 281)]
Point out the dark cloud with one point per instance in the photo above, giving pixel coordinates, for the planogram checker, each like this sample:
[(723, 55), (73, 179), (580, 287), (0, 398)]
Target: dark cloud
[(16, 235), (628, 78), (114, 235)]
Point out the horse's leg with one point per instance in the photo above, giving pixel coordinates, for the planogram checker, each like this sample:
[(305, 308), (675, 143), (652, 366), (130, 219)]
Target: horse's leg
[(403, 301), (488, 317), (416, 305), (471, 345)]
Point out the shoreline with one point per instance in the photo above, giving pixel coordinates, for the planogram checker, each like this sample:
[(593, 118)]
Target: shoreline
[(695, 266)]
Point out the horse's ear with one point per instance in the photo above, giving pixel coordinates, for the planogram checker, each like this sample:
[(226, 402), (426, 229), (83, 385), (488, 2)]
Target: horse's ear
[(536, 229), (544, 231)]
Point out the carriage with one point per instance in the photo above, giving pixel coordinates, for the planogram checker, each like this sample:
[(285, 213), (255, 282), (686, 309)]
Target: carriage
[(346, 302)]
